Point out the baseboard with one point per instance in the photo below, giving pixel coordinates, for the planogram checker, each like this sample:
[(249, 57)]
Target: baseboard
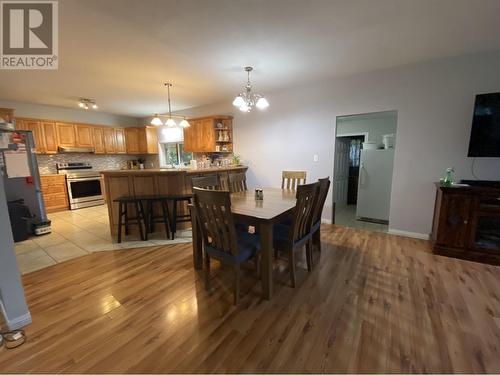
[(404, 233), (326, 221), (19, 322)]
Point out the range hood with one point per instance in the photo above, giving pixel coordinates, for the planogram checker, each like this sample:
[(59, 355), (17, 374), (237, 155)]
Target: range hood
[(67, 150)]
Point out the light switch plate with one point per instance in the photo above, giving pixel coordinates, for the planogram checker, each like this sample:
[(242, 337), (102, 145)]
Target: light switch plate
[(316, 158)]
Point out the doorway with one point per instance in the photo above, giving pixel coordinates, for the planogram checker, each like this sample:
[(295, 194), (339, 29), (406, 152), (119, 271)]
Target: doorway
[(363, 169)]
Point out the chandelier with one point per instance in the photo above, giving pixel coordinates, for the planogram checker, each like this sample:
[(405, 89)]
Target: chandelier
[(248, 99), (156, 121), (87, 103)]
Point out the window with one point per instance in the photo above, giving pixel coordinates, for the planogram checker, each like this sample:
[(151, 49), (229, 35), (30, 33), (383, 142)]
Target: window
[(174, 154)]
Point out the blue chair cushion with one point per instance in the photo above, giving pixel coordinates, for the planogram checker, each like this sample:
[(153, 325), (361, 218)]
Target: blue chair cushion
[(248, 246), (281, 234)]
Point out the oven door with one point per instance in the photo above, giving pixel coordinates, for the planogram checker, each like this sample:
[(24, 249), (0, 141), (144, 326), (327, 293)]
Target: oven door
[(84, 189)]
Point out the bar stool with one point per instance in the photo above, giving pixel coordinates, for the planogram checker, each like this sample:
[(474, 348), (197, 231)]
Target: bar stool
[(125, 220), (176, 198), (150, 215)]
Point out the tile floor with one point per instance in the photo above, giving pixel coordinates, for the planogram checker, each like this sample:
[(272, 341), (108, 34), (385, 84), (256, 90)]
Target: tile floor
[(346, 216), (80, 232)]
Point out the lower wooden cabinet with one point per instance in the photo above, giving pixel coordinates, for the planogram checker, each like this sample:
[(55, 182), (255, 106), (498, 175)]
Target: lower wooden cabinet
[(55, 193), (467, 223)]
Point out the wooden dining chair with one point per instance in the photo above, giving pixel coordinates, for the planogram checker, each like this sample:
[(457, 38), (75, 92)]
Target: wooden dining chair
[(292, 179), (295, 237), (237, 182), (210, 182), (220, 238), (324, 186)]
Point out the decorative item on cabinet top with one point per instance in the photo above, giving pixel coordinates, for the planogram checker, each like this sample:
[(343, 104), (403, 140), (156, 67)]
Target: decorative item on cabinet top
[(52, 137), (209, 134)]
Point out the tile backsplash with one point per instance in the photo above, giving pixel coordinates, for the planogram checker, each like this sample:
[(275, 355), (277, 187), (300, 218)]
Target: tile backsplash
[(47, 163)]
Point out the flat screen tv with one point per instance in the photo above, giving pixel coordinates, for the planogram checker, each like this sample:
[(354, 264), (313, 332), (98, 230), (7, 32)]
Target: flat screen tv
[(485, 133)]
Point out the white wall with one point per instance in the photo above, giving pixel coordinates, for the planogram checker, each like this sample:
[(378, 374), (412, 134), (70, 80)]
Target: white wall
[(375, 124), (67, 114), (434, 102)]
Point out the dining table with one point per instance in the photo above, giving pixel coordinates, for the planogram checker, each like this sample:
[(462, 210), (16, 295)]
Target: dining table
[(275, 206)]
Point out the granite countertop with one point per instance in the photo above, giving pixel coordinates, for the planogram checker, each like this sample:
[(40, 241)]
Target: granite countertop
[(172, 170)]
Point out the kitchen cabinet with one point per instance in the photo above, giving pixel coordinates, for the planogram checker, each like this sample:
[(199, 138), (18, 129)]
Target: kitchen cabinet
[(66, 134), (34, 127), (203, 134), (98, 139), (132, 140), (83, 135), (49, 136), (143, 140), (151, 137), (109, 140), (121, 147), (55, 193)]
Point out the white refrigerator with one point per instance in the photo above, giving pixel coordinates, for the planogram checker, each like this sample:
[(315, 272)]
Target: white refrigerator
[(374, 184)]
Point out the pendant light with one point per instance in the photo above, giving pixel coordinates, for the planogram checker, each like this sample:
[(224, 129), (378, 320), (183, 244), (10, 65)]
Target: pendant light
[(248, 99), (156, 121)]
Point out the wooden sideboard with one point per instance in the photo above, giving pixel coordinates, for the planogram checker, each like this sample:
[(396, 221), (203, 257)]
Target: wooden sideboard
[(467, 223)]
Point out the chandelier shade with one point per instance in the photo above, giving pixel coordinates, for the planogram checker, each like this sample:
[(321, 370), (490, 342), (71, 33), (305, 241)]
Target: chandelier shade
[(248, 99), (156, 121)]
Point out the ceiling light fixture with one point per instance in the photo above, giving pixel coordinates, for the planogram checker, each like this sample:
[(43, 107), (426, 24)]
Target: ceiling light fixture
[(156, 121), (87, 103), (248, 99)]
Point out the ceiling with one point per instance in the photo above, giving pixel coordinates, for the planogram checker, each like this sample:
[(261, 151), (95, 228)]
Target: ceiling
[(120, 52)]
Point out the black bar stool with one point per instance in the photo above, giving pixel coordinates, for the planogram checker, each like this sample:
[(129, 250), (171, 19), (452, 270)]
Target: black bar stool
[(125, 220), (176, 199), (150, 215)]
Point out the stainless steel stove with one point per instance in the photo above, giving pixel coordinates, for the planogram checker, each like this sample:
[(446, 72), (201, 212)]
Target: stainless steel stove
[(84, 184)]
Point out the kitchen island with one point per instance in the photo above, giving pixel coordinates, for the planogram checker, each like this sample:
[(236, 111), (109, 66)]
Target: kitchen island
[(129, 183)]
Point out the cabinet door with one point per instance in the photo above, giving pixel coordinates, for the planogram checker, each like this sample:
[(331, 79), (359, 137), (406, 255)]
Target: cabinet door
[(190, 139), (120, 141), (36, 129), (66, 134), (454, 220), (98, 139), (206, 136), (151, 140), (83, 136), (109, 140), (132, 140), (50, 136)]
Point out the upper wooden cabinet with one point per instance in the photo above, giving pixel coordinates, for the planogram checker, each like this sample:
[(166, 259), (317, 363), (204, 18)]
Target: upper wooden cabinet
[(142, 140), (84, 136), (120, 141), (98, 139), (209, 134), (66, 134), (109, 140), (44, 134), (49, 136)]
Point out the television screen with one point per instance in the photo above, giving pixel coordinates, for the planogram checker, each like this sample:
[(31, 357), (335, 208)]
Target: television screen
[(485, 133)]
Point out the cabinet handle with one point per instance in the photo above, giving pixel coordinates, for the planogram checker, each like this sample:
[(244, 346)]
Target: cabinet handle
[(466, 221)]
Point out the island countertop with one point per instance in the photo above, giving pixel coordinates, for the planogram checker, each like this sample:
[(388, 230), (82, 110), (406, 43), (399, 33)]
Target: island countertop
[(140, 182), (116, 172)]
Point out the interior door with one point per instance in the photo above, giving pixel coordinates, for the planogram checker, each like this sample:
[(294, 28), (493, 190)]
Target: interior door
[(341, 171)]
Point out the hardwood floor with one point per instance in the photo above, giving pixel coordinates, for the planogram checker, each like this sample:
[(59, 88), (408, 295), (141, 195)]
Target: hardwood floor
[(374, 303)]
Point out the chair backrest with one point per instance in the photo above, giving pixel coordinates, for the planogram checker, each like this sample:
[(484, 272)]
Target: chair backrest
[(292, 179), (237, 182), (324, 186), (213, 211), (209, 182), (304, 209)]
